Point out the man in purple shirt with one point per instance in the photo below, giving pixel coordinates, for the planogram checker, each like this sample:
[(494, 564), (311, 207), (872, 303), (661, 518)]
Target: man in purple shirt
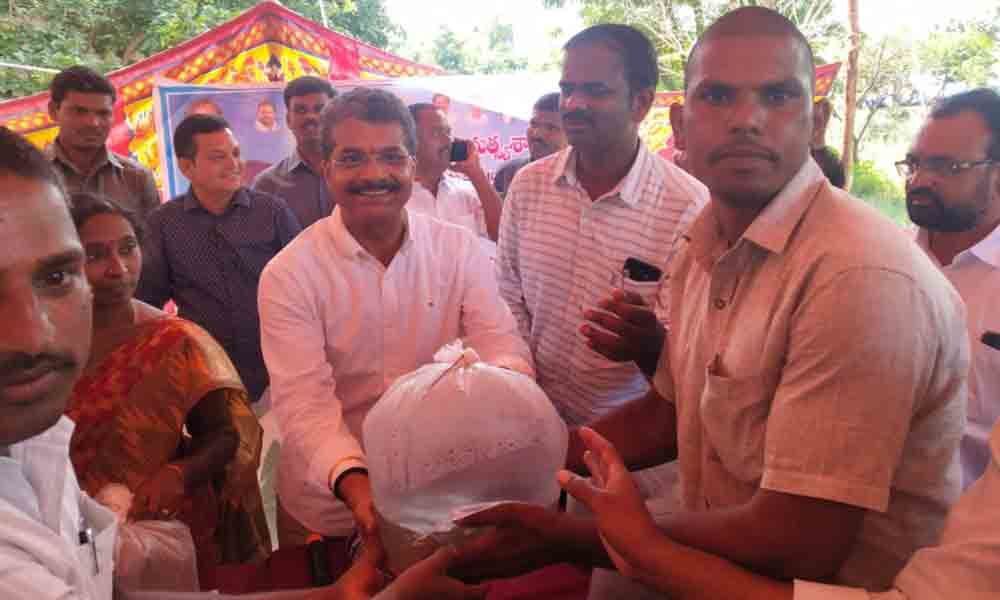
[(206, 248)]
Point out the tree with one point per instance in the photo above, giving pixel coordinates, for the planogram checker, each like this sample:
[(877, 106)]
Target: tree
[(851, 95), (963, 53), (674, 25), (108, 34), (450, 53), (487, 54)]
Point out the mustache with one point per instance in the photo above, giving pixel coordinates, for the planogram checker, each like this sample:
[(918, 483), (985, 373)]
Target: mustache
[(926, 193), (376, 185), (578, 115), (743, 148), (14, 365)]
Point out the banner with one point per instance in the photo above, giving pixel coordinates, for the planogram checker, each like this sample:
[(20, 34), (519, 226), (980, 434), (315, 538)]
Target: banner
[(257, 116)]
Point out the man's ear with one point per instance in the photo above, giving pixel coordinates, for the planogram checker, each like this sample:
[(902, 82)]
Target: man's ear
[(186, 165), (677, 125), (53, 111), (821, 118), (642, 102)]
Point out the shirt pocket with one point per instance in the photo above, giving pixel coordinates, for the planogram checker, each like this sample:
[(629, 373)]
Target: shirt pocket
[(734, 414)]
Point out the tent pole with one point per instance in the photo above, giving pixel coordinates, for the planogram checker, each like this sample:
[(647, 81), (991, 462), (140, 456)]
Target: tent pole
[(322, 13)]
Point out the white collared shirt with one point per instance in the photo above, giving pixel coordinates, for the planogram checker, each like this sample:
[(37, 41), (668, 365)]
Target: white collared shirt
[(456, 202), (41, 506), (964, 564), (975, 273), (338, 327), (560, 252)]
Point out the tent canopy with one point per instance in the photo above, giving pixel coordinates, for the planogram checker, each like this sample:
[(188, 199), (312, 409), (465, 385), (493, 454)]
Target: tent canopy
[(268, 42)]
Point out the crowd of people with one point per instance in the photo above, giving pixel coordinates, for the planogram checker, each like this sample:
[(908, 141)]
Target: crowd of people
[(773, 390)]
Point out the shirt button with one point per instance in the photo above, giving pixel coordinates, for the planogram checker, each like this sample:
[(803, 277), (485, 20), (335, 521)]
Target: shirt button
[(720, 303)]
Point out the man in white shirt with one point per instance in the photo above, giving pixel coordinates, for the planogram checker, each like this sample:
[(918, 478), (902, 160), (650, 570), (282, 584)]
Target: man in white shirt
[(472, 203), (952, 176), (55, 542), (362, 297), (46, 550)]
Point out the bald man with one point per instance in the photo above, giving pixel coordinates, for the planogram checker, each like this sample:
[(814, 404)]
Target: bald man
[(813, 381)]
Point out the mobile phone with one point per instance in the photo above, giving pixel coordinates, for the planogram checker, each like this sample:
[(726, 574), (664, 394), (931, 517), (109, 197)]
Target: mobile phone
[(991, 339), (459, 150), (641, 271)]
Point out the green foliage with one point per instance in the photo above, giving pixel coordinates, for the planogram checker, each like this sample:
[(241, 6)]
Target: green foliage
[(879, 189), (674, 25), (108, 34), (450, 52), (964, 53), (487, 54)]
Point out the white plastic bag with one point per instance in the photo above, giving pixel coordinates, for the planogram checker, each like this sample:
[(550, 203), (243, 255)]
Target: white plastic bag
[(150, 555), (452, 437), (156, 555)]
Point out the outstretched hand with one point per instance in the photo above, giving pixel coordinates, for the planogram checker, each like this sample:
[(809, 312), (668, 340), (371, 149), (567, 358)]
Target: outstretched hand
[(626, 526)]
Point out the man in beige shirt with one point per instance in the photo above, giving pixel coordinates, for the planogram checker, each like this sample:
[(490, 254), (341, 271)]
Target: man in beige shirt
[(82, 104), (815, 374)]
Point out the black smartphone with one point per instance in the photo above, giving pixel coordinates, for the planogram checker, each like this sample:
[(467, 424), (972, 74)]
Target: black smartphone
[(459, 150), (991, 339), (641, 271)]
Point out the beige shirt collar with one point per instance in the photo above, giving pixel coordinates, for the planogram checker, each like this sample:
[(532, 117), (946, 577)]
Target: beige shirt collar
[(773, 227)]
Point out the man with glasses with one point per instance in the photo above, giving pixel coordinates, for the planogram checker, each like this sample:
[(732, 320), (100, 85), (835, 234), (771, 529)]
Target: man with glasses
[(297, 179), (366, 295), (953, 195)]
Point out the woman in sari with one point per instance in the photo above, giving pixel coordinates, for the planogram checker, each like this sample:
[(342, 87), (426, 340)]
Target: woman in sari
[(160, 407)]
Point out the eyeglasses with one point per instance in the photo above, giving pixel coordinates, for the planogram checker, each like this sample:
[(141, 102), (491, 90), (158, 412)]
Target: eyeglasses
[(938, 166), (392, 159)]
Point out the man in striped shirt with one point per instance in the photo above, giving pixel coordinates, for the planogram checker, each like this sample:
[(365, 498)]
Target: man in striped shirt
[(572, 220)]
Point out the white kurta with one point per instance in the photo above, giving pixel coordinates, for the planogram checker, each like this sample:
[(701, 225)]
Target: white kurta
[(42, 510)]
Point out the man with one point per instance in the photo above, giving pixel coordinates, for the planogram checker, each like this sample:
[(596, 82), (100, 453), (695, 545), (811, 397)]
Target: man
[(545, 137), (82, 103), (813, 382), (364, 296), (472, 204), (205, 249), (50, 532), (266, 121), (573, 219), (298, 178), (952, 176)]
